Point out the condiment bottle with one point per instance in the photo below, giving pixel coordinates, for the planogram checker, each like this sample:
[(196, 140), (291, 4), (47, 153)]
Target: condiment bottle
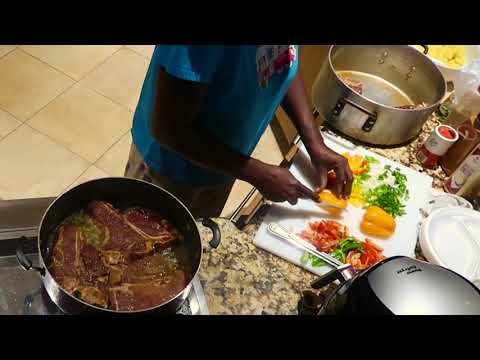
[(469, 166), (469, 137), (437, 144), (471, 188)]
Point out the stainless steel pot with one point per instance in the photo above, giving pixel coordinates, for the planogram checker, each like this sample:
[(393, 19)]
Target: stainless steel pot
[(392, 75), (122, 193)]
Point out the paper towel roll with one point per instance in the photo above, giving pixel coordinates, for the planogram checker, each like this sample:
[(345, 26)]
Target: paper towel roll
[(467, 90)]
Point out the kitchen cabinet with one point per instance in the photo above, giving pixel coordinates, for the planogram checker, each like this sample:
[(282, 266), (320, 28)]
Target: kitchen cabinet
[(311, 60)]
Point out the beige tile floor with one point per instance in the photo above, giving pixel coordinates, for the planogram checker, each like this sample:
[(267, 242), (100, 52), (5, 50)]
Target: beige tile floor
[(66, 113)]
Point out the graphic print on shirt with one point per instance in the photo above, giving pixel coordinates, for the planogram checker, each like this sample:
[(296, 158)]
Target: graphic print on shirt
[(273, 59)]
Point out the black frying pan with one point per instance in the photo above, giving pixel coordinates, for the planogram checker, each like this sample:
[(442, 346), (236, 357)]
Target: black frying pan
[(121, 193)]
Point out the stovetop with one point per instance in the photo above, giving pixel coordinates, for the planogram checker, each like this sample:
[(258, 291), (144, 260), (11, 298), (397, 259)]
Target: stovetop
[(21, 292)]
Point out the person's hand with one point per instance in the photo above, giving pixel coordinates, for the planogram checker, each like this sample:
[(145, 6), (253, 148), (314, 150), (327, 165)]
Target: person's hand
[(324, 160), (278, 184)]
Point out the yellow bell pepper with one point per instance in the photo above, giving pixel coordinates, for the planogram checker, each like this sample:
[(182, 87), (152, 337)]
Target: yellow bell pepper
[(377, 222), (328, 197), (358, 165), (357, 198)]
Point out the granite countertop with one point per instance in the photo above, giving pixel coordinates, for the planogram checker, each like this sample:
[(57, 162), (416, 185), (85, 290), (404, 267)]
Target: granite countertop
[(239, 278)]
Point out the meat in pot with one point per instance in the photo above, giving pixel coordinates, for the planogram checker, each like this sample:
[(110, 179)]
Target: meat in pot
[(355, 85), (122, 261)]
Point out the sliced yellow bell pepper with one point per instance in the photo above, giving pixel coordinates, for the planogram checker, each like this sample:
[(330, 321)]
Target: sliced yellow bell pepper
[(377, 222), (357, 163), (328, 197)]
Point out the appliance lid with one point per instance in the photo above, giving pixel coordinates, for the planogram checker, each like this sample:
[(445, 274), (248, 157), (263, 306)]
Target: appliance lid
[(448, 237), (411, 287)]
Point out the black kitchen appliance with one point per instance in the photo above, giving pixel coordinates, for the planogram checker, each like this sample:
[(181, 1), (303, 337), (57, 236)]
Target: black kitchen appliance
[(398, 286)]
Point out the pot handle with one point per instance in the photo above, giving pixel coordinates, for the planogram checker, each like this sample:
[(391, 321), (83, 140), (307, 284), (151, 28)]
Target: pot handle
[(372, 116), (24, 262), (217, 235), (359, 107), (425, 49)]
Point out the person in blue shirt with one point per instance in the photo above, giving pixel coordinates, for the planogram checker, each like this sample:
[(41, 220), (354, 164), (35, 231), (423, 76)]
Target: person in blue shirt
[(202, 111)]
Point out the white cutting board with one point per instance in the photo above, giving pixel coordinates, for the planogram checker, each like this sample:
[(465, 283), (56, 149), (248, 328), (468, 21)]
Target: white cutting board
[(296, 218)]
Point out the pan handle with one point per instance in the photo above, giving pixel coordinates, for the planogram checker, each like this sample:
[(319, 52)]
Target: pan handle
[(342, 274), (217, 235), (326, 279), (24, 262)]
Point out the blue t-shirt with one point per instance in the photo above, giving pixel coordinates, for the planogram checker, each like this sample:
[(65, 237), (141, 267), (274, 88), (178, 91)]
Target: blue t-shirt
[(246, 85)]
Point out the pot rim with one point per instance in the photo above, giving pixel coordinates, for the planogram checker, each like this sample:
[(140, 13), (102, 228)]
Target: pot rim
[(188, 286), (407, 48)]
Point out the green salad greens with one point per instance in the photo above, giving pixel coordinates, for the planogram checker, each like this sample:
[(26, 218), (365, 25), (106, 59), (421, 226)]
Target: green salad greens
[(340, 252)]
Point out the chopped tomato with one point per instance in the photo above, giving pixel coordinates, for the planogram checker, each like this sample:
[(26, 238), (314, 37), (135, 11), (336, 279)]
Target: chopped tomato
[(325, 234), (372, 253)]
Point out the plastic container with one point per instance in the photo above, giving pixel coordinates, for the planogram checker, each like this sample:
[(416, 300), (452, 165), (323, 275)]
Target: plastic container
[(448, 238), (445, 200), (449, 73)]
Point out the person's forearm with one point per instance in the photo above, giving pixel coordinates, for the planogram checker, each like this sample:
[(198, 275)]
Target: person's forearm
[(298, 109), (205, 151)]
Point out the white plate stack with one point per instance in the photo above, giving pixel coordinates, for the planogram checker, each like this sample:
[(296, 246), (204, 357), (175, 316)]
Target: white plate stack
[(449, 237)]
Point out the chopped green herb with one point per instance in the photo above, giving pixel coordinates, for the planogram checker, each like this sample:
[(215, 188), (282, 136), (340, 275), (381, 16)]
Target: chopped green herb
[(389, 197), (386, 197), (88, 228), (371, 159), (359, 179)]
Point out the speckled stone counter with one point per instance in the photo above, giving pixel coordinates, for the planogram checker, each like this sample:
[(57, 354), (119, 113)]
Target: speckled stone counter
[(239, 278)]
